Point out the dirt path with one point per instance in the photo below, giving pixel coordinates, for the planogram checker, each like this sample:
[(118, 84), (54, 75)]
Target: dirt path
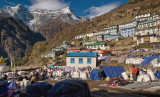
[(99, 91)]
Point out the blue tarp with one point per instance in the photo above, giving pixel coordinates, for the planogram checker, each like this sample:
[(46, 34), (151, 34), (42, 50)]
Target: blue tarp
[(157, 46), (157, 74), (51, 66), (95, 75), (131, 51), (148, 60), (142, 50), (113, 71)]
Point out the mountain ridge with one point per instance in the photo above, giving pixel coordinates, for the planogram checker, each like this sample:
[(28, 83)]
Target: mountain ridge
[(34, 18), (37, 19)]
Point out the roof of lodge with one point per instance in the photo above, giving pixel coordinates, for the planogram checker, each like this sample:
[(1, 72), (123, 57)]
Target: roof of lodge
[(147, 22), (101, 43), (82, 54)]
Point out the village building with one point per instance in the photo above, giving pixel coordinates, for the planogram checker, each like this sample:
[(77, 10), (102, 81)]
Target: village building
[(107, 37), (147, 17), (59, 48), (82, 59), (148, 38), (73, 49), (89, 42), (147, 32), (144, 17), (128, 30), (49, 54), (80, 36), (90, 34), (63, 46), (111, 30), (99, 45)]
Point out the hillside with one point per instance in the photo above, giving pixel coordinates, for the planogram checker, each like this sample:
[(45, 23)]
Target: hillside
[(123, 14), (15, 37), (51, 27)]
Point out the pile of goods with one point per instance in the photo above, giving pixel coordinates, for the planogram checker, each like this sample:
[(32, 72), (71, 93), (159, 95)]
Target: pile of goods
[(117, 81)]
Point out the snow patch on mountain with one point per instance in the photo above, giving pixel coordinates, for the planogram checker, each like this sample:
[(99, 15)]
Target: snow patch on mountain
[(34, 18)]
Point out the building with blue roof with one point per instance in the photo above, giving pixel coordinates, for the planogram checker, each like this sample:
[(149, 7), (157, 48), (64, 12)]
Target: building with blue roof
[(82, 59)]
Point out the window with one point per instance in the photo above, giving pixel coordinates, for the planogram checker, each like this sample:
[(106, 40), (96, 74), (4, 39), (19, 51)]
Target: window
[(80, 60), (88, 60), (72, 60)]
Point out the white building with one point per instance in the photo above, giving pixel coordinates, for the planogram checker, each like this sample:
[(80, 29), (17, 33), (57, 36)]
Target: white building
[(82, 59), (80, 36), (100, 45), (111, 30), (90, 34), (147, 17), (49, 54)]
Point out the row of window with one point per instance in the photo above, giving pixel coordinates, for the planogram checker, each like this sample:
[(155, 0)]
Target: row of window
[(72, 60), (125, 32), (146, 25), (95, 46)]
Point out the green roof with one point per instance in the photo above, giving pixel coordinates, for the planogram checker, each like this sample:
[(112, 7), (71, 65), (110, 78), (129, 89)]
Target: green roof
[(59, 48), (105, 34), (90, 40), (101, 43)]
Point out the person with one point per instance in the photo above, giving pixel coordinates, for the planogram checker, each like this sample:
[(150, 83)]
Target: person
[(5, 76), (134, 72), (137, 74), (33, 80), (37, 74)]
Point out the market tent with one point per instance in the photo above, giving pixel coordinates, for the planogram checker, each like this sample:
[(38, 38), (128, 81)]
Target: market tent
[(95, 75), (157, 74), (113, 71), (148, 60)]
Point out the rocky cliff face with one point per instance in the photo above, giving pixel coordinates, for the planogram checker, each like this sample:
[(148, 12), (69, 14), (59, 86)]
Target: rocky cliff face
[(51, 27), (15, 37)]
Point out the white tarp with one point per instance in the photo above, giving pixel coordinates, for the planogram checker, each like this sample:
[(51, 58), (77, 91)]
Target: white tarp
[(134, 61)]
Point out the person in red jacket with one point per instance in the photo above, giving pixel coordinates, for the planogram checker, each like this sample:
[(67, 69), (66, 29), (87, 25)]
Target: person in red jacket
[(134, 72)]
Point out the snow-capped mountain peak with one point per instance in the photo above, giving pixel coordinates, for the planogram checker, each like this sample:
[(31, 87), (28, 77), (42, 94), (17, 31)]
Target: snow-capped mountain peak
[(66, 10), (34, 18), (19, 12)]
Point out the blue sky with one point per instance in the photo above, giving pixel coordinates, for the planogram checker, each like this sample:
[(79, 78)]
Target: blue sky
[(88, 8)]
